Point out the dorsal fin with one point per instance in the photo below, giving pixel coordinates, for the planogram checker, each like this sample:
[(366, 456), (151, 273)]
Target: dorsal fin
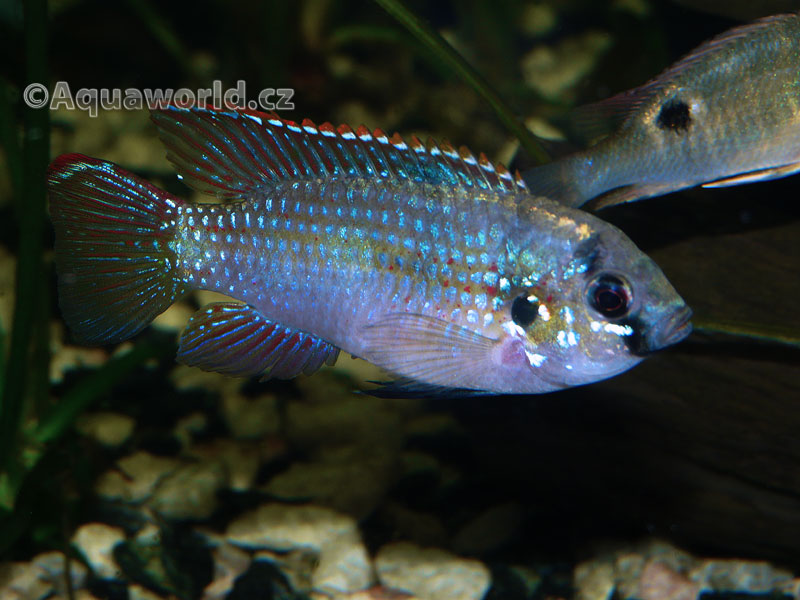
[(229, 153), (719, 44)]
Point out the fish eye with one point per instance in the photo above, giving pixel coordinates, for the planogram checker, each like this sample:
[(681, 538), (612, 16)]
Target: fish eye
[(609, 295), (524, 310)]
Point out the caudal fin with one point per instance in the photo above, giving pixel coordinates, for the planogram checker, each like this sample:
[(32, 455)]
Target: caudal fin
[(116, 269)]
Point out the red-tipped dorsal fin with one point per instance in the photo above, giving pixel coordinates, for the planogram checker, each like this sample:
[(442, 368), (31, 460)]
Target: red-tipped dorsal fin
[(231, 153)]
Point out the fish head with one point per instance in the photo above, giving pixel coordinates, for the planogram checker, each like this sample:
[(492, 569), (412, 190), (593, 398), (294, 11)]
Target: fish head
[(600, 311)]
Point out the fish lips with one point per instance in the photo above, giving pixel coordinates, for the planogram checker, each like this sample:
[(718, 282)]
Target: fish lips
[(671, 330)]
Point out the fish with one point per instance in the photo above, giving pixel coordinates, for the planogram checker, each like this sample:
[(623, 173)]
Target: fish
[(433, 264), (742, 10), (726, 114)]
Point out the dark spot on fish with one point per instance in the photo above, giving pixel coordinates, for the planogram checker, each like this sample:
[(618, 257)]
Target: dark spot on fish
[(674, 115), (524, 311), (636, 341)]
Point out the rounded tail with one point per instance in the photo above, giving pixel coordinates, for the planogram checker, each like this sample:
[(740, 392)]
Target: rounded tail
[(114, 256)]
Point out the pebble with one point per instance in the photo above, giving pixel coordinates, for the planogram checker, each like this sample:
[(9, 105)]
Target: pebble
[(594, 580), (374, 593), (66, 358), (296, 565), (538, 19), (77, 595), (343, 564), (658, 571), (740, 576), (189, 426), (191, 378), (425, 529), (21, 581), (229, 563), (353, 483), (107, 428), (554, 70), (251, 418), (350, 420), (659, 582), (42, 577), (175, 318), (489, 531), (430, 573), (135, 477), (138, 592), (241, 459), (190, 492), (96, 541)]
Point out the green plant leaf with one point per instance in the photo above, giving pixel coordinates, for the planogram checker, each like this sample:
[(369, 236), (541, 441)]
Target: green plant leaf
[(53, 425), (31, 218)]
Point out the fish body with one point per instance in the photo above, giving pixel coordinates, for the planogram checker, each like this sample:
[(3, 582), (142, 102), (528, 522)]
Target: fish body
[(727, 113), (428, 262)]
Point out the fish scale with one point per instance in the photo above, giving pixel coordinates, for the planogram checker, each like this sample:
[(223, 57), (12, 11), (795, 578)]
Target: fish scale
[(351, 240), (431, 263)]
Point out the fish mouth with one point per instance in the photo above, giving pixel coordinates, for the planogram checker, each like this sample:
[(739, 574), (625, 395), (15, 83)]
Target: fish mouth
[(670, 330), (674, 329)]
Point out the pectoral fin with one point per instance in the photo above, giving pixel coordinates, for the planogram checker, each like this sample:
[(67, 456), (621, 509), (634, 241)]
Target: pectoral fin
[(630, 193), (753, 176), (235, 339), (428, 350), (410, 388)]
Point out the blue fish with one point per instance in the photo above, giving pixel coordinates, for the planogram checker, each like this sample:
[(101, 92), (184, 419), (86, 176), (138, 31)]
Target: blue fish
[(422, 259)]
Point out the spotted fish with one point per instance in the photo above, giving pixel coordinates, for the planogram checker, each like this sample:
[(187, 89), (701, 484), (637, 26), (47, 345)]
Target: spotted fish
[(420, 258), (726, 114)]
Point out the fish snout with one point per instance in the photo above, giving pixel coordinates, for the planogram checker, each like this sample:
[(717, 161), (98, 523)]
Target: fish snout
[(672, 330)]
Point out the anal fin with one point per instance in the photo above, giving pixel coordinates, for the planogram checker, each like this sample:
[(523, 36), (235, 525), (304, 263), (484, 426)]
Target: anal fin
[(235, 339), (753, 176)]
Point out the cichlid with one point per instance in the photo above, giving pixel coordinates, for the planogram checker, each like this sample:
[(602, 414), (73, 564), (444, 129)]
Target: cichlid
[(728, 113), (424, 260)]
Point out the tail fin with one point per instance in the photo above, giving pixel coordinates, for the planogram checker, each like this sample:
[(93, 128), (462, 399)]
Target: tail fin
[(116, 269)]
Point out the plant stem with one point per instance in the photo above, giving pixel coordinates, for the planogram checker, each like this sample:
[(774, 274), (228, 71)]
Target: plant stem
[(10, 141), (164, 33), (445, 53), (36, 152)]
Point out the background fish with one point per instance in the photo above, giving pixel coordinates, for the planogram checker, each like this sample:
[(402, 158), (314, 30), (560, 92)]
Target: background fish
[(423, 260), (727, 113)]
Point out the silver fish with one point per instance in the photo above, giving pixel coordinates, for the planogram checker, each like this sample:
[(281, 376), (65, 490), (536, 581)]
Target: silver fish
[(726, 114), (422, 259)]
